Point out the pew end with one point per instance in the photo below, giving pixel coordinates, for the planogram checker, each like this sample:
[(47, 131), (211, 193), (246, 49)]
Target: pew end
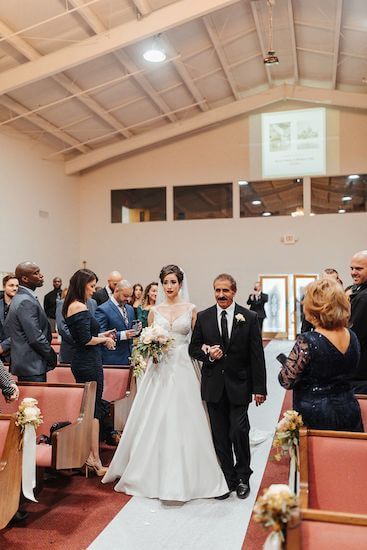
[(10, 468)]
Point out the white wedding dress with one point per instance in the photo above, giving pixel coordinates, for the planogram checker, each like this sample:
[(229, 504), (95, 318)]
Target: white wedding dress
[(166, 449)]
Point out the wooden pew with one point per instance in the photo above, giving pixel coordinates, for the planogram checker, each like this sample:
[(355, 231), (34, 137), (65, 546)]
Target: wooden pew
[(118, 388), (321, 530), (333, 473), (70, 445), (10, 468), (362, 400)]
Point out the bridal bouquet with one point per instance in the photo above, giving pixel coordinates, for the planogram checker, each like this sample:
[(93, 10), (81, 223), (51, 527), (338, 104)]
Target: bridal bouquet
[(286, 438), (153, 342), (273, 509), (28, 414)]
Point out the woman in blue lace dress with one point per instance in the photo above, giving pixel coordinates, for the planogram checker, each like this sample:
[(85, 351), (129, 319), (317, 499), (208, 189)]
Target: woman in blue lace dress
[(321, 362)]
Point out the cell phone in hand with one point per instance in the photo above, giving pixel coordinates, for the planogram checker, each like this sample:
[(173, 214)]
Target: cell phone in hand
[(281, 358), (136, 327)]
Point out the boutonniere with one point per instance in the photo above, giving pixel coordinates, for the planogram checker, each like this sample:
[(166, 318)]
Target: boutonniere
[(240, 318)]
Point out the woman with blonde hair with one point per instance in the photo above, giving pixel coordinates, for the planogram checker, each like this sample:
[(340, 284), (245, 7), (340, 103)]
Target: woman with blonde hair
[(322, 362), (149, 300)]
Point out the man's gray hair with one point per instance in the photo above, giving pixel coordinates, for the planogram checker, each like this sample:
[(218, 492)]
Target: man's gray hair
[(123, 284)]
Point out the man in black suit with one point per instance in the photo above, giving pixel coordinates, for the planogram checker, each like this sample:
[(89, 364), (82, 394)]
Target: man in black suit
[(50, 300), (104, 294), (257, 301), (28, 327), (227, 340), (358, 317), (10, 286)]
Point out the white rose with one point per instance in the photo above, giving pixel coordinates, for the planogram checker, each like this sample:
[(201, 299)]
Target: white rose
[(29, 402), (240, 318), (277, 489), (31, 414)]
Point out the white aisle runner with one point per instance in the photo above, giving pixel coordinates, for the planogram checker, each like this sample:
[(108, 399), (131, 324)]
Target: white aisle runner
[(206, 523)]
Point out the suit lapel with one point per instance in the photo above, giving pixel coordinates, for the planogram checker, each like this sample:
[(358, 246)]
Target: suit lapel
[(234, 325), (117, 314), (215, 327)]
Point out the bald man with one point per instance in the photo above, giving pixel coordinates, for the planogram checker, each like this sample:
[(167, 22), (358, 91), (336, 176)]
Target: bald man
[(104, 294), (28, 327), (358, 318)]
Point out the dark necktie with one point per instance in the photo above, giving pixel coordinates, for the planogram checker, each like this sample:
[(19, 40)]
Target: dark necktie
[(224, 328), (125, 315)]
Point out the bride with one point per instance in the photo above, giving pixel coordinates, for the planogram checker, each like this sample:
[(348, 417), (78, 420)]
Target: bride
[(166, 450)]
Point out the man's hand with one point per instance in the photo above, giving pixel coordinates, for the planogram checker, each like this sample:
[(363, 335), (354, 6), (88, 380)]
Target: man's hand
[(215, 352), (15, 395), (259, 399), (130, 333), (1, 349)]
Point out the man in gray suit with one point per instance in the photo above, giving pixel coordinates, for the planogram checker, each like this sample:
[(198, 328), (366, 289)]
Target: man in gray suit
[(10, 286), (28, 327)]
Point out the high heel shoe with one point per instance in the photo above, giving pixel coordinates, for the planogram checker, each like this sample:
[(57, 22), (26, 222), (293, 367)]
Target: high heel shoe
[(95, 467)]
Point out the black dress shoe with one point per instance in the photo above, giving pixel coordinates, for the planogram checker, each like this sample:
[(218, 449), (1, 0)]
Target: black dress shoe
[(243, 489), (222, 497)]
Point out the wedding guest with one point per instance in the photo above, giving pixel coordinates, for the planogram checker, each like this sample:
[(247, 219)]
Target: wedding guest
[(322, 362), (257, 301), (137, 296), (358, 318), (50, 300), (10, 286), (86, 362), (103, 294), (328, 273), (149, 300)]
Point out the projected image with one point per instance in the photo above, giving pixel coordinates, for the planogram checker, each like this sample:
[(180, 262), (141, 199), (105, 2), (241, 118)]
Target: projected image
[(280, 136), (293, 142), (307, 135)]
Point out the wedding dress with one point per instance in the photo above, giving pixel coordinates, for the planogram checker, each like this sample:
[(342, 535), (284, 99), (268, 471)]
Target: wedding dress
[(166, 449)]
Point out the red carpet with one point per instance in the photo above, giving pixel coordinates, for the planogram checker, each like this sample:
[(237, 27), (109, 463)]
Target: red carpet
[(70, 513), (275, 472)]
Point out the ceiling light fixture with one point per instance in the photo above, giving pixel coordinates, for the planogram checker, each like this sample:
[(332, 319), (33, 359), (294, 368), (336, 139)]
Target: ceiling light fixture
[(256, 202), (298, 212), (242, 182), (266, 214), (341, 211), (271, 58), (353, 177), (155, 54), (346, 198)]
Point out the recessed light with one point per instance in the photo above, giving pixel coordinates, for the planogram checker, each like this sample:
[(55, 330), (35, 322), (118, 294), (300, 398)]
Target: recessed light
[(298, 180), (256, 202), (354, 177), (346, 198), (312, 214), (266, 214), (242, 182), (154, 55), (341, 211)]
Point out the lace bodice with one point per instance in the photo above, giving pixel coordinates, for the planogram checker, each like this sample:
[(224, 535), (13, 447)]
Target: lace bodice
[(179, 326)]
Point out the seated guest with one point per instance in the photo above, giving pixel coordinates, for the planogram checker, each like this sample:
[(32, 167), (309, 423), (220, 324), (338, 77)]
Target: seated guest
[(10, 286), (86, 363), (117, 314), (322, 362), (103, 294), (149, 300), (67, 343), (137, 296)]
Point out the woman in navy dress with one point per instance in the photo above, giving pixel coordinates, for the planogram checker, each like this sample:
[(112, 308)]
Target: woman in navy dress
[(321, 362), (86, 363)]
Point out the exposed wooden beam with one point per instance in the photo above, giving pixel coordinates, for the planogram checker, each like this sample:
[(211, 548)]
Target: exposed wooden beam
[(314, 50), (29, 52), (123, 59), (318, 96), (293, 40), (221, 55), (43, 124), (338, 22), (142, 6), (254, 7), (178, 13)]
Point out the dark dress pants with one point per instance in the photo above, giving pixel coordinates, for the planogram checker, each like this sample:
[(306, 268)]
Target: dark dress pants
[(230, 430), (35, 378)]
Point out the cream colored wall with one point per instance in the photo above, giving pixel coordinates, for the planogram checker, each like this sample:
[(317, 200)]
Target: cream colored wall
[(29, 184), (244, 247)]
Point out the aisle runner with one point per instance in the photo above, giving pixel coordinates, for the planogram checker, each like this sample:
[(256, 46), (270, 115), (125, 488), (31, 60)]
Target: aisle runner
[(205, 523)]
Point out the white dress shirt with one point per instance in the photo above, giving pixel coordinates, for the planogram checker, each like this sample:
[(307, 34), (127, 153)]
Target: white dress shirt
[(230, 314), (121, 333)]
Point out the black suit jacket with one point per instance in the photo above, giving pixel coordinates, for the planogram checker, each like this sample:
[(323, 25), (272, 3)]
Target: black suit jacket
[(358, 323), (101, 296), (258, 305), (241, 371), (4, 341)]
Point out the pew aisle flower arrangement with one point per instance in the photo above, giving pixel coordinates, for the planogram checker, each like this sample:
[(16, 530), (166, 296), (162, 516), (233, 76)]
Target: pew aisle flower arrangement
[(286, 440), (153, 343), (273, 509), (28, 418)]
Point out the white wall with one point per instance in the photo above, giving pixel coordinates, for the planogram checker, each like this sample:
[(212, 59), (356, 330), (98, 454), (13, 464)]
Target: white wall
[(29, 184), (244, 247)]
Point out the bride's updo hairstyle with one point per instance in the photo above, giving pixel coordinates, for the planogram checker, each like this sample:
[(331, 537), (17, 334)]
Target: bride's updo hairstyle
[(326, 304), (171, 269)]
